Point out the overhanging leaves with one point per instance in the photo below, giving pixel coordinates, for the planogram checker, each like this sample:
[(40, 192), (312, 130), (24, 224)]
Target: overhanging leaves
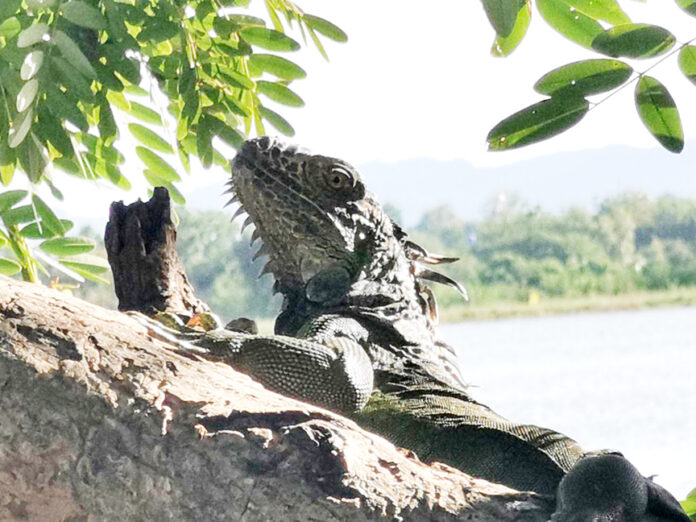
[(634, 41), (279, 93), (502, 14), (606, 10), (504, 45), (584, 78), (659, 113), (687, 62), (83, 14), (325, 27), (537, 122), (570, 22), (67, 246), (688, 5), (269, 39)]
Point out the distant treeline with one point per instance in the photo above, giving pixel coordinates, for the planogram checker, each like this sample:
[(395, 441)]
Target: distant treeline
[(631, 243)]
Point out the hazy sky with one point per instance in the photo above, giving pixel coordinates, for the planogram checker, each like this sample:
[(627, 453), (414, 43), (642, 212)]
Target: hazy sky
[(417, 80)]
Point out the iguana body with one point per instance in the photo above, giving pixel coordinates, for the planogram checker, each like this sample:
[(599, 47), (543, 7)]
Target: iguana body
[(357, 329)]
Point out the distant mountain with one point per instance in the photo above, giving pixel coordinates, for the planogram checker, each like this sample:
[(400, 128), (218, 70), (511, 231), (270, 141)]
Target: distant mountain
[(555, 182)]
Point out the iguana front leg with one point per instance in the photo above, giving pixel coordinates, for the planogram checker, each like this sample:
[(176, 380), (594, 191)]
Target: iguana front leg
[(332, 372)]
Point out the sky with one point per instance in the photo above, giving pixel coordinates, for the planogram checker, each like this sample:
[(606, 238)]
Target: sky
[(416, 80)]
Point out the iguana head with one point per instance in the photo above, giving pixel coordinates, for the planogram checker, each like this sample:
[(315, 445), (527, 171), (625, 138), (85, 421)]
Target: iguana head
[(328, 239)]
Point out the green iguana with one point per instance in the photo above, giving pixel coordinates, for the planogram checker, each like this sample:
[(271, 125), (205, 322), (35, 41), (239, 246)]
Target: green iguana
[(357, 334)]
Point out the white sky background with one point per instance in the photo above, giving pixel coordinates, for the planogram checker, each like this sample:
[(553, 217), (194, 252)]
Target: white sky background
[(417, 80)]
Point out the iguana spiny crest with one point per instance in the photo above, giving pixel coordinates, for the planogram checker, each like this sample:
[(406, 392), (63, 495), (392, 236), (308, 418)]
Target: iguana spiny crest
[(332, 248)]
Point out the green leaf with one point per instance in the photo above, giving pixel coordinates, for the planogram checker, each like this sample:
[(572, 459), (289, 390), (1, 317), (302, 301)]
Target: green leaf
[(158, 30), (10, 198), (9, 267), (149, 138), (327, 28), (226, 133), (504, 45), (607, 10), (68, 166), (279, 93), (19, 215), (9, 28), (88, 266), (236, 107), (64, 106), (31, 35), (21, 129), (6, 173), (74, 82), (26, 95), (688, 5), (275, 119), (155, 163), (502, 14), (269, 39), (83, 14), (204, 137), (50, 129), (568, 21), (634, 41), (108, 130), (118, 100), (99, 148), (48, 218), (537, 122), (236, 79), (72, 53), (584, 78), (31, 65), (687, 62), (240, 19), (156, 181), (32, 158), (280, 67), (234, 49), (67, 246), (689, 504), (32, 231), (114, 175), (144, 113), (659, 113)]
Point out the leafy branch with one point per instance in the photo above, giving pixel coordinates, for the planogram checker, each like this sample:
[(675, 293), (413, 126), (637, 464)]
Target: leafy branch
[(70, 70), (584, 22)]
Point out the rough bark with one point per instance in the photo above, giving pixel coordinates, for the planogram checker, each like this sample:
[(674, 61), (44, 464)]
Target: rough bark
[(140, 242), (98, 421)]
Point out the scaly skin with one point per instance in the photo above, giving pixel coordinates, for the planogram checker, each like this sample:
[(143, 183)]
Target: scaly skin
[(357, 334)]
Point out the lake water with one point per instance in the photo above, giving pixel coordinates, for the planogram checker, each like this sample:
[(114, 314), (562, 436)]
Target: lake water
[(622, 380)]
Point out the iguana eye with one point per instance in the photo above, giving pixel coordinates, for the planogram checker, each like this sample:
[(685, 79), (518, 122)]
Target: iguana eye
[(338, 178)]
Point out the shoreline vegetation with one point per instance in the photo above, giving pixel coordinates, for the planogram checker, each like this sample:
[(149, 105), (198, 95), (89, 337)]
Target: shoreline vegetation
[(681, 296), (631, 252)]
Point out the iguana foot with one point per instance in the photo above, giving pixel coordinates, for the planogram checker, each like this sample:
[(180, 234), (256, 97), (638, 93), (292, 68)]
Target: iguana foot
[(608, 488)]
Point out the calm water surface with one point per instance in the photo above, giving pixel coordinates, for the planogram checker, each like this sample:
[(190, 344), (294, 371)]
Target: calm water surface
[(620, 380)]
